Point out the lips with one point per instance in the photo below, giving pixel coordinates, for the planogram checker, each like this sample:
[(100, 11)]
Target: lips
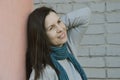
[(62, 35)]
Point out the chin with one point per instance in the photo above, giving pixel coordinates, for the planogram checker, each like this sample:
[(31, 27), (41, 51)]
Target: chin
[(64, 41)]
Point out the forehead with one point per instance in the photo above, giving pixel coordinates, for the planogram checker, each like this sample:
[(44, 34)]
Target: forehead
[(51, 18)]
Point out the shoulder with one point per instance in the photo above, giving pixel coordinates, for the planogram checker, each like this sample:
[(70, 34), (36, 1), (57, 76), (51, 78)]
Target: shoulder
[(48, 74)]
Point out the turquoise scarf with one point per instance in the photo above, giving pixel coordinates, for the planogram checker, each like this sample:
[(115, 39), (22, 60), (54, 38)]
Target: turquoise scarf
[(60, 53)]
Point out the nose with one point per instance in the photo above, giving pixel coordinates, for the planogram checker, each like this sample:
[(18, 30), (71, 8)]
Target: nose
[(58, 28)]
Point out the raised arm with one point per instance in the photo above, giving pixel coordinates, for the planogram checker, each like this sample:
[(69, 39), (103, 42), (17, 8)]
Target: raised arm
[(77, 22), (76, 18)]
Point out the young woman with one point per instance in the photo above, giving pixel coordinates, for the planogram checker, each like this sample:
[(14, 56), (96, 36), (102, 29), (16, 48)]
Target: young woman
[(52, 44)]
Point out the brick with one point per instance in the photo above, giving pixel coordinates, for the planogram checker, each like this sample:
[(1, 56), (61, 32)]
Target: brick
[(80, 1), (113, 73), (95, 29), (92, 61), (95, 72), (103, 79), (113, 5), (96, 79), (113, 17), (55, 1), (78, 5), (83, 51), (113, 50), (113, 61), (97, 18), (64, 8), (97, 7), (92, 40), (113, 38), (113, 79), (97, 51), (113, 28), (36, 1)]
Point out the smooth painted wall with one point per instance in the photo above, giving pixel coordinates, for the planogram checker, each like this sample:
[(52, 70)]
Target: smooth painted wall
[(13, 17)]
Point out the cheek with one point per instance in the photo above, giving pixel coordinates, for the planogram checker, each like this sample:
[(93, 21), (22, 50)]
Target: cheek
[(52, 37), (63, 26)]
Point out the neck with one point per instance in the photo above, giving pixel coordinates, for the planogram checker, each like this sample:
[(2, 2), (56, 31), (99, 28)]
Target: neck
[(58, 45)]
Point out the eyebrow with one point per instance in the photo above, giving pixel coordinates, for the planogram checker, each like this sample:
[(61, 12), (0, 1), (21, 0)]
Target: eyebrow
[(52, 25)]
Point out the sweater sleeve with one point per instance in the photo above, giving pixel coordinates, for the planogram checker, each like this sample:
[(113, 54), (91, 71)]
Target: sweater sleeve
[(77, 23), (48, 74), (76, 18)]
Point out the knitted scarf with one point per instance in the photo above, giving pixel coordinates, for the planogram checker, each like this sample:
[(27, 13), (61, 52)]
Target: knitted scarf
[(61, 53)]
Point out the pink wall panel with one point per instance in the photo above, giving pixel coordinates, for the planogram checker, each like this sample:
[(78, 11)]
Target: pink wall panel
[(13, 17)]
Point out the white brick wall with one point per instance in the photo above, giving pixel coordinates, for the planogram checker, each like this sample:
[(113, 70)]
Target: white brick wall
[(113, 28), (95, 29), (94, 73), (93, 40), (113, 17), (99, 50), (92, 61)]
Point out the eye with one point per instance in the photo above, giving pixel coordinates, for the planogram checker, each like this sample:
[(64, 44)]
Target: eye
[(59, 21), (50, 28)]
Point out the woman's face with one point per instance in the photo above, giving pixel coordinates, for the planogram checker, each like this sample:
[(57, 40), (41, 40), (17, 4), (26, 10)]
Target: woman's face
[(55, 29)]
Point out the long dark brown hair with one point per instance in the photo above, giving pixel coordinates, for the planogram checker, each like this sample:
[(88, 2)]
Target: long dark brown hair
[(38, 44)]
